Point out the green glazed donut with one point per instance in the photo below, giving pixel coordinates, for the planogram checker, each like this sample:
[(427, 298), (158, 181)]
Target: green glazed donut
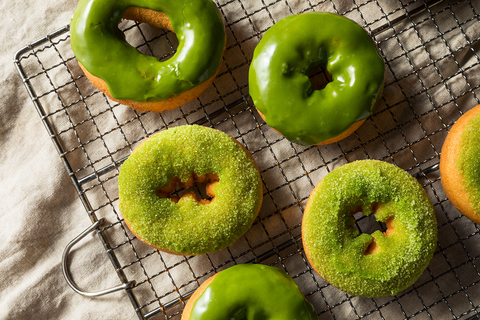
[(102, 50), (367, 265), (187, 226), (249, 291), (281, 89)]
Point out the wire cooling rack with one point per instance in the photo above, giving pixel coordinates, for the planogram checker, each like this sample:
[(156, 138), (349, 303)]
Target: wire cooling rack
[(432, 77)]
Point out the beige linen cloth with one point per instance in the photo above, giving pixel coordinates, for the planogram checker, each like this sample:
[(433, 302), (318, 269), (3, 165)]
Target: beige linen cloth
[(41, 211)]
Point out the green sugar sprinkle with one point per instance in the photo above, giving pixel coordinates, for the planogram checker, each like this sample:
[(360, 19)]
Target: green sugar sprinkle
[(188, 227), (468, 161), (335, 247)]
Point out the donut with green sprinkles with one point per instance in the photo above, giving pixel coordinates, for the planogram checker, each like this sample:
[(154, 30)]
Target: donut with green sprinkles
[(377, 264), (177, 158)]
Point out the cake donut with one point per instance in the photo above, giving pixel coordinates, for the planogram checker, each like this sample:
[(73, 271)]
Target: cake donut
[(249, 291), (185, 225), (282, 92), (460, 164), (367, 265), (142, 82)]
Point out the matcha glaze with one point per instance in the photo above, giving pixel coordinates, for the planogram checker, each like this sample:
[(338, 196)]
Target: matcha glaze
[(281, 89), (102, 49), (252, 292)]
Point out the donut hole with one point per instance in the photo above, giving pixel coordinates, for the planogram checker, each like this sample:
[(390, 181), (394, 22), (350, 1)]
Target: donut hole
[(199, 188), (369, 224), (150, 32), (319, 77)]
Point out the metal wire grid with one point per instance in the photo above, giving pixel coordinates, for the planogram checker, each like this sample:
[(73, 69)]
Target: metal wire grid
[(426, 90)]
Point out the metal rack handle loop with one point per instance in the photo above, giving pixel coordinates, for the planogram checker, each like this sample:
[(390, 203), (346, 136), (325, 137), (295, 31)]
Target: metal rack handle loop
[(66, 273)]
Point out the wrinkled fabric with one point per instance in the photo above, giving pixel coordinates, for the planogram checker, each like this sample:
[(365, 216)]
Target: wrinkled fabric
[(41, 211)]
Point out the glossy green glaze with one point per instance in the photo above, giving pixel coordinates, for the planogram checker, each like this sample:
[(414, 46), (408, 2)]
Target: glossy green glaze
[(468, 162), (188, 227), (252, 292), (101, 47), (282, 91), (336, 249)]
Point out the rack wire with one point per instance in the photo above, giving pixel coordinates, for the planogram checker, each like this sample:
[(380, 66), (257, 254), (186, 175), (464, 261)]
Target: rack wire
[(432, 77)]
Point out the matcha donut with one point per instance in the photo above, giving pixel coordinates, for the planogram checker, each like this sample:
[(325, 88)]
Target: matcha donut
[(367, 265), (142, 82), (282, 91), (460, 164), (249, 291), (188, 154)]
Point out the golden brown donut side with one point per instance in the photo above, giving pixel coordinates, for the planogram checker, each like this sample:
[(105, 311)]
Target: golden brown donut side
[(154, 18), (156, 106), (306, 211), (341, 136), (452, 180), (191, 302), (344, 134)]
